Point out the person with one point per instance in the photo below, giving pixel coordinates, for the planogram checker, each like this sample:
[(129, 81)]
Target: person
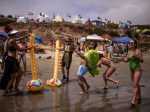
[(12, 70), (7, 29), (22, 54), (83, 69), (135, 57), (109, 71), (109, 50), (67, 59)]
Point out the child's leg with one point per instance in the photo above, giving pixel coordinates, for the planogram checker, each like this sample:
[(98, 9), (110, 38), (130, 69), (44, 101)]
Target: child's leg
[(105, 80), (80, 82), (85, 82), (24, 64), (110, 71)]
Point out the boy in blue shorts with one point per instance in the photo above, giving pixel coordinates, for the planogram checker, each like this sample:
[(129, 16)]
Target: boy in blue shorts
[(82, 70)]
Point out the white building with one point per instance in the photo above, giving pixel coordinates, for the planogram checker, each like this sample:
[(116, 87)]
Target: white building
[(22, 19), (58, 18), (77, 20), (43, 18)]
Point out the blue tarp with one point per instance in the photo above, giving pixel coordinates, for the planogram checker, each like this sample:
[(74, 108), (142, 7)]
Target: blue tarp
[(38, 40), (122, 40)]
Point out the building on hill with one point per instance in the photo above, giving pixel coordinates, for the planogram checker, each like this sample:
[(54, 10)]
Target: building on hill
[(98, 23), (58, 18), (43, 18), (22, 19), (77, 20)]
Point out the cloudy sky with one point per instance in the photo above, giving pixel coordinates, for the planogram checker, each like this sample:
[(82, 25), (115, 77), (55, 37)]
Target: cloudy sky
[(135, 10)]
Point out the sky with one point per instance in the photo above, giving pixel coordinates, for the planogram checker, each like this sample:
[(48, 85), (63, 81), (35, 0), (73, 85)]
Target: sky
[(136, 11)]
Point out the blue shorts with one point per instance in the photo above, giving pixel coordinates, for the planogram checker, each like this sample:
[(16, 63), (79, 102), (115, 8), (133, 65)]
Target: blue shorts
[(82, 70)]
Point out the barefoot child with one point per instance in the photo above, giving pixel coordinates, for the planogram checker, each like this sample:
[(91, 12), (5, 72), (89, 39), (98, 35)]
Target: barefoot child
[(109, 71), (82, 70), (87, 66)]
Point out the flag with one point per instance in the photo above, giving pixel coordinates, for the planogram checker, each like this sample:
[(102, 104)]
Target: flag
[(79, 16), (68, 15), (30, 13), (99, 18)]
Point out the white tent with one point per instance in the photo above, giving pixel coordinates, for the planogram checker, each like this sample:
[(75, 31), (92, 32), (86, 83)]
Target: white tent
[(22, 20), (92, 38), (58, 18), (43, 18), (77, 20)]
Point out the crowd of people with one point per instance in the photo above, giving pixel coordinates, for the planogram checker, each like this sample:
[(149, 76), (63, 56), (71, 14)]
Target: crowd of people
[(15, 51)]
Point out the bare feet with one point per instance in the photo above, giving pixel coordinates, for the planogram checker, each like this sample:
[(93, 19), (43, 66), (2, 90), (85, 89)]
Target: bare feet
[(88, 87), (82, 93), (117, 84), (8, 93), (105, 87)]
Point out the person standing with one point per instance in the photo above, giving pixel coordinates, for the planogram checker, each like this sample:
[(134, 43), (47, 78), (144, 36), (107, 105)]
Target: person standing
[(12, 70), (22, 54), (67, 59), (135, 57)]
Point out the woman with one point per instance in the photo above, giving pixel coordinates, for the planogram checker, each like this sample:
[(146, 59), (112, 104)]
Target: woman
[(134, 57), (109, 71), (22, 54)]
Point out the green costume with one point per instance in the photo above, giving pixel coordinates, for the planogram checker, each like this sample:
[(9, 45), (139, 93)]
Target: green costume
[(92, 57), (134, 63)]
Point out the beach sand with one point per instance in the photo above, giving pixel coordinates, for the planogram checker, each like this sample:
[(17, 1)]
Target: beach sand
[(66, 98)]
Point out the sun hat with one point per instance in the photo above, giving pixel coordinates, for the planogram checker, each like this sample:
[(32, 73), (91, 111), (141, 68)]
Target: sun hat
[(12, 32)]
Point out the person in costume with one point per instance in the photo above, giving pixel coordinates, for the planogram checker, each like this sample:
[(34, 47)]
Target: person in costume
[(109, 71), (84, 68), (135, 57), (12, 70)]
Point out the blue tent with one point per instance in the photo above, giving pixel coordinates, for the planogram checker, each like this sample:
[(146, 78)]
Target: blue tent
[(3, 36), (38, 39), (122, 40)]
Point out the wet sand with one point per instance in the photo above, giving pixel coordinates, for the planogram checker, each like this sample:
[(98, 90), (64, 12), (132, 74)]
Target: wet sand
[(66, 98)]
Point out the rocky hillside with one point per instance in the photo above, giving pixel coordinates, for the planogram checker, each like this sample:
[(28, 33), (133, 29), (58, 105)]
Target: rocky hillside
[(65, 30)]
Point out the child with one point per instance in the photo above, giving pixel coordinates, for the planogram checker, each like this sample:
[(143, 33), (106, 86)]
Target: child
[(83, 69), (109, 71)]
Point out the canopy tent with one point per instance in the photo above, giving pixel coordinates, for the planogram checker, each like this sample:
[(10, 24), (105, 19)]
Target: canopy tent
[(121, 40), (38, 39), (92, 38)]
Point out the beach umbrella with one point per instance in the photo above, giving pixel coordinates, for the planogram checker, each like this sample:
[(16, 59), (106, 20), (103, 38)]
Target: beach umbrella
[(3, 36), (38, 39), (92, 38)]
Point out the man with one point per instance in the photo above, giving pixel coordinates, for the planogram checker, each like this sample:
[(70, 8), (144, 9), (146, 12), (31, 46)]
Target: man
[(67, 59), (12, 70)]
